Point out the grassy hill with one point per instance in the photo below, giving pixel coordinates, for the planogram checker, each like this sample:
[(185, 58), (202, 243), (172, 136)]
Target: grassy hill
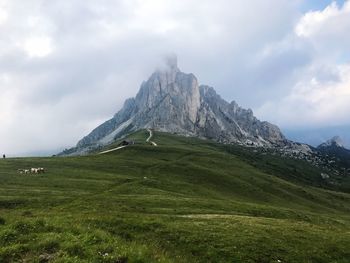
[(187, 200)]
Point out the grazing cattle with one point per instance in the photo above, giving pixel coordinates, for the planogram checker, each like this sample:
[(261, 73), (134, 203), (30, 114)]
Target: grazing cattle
[(37, 170), (31, 171)]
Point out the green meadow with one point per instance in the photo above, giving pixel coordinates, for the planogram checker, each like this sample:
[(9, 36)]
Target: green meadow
[(187, 200)]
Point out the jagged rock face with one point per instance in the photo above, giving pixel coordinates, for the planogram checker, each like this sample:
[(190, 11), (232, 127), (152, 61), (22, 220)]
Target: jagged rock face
[(172, 101), (228, 122)]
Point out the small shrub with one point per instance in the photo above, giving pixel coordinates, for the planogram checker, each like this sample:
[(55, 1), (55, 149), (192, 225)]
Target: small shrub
[(13, 253), (7, 236), (40, 226), (122, 260), (27, 213), (50, 246), (23, 227), (76, 250), (10, 204)]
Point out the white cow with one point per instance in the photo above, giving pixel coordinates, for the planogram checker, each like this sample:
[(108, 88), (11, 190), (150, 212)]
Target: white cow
[(37, 170)]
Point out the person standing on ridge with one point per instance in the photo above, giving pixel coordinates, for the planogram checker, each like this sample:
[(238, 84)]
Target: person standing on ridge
[(4, 156)]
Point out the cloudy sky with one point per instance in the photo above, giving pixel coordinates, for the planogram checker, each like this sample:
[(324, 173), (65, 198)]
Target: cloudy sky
[(68, 65)]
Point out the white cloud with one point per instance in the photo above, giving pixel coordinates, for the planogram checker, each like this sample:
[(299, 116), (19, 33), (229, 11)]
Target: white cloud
[(313, 102), (38, 46), (313, 21), (3, 16), (328, 29), (320, 94), (3, 12)]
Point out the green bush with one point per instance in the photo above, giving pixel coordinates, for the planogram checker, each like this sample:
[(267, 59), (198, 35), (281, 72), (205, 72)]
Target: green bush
[(76, 250)]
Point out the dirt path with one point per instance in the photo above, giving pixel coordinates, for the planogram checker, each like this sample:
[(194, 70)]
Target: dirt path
[(112, 150), (121, 147), (150, 137)]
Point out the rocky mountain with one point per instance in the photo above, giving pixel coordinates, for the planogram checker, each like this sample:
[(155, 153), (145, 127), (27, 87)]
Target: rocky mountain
[(335, 142), (173, 101), (334, 151), (334, 146)]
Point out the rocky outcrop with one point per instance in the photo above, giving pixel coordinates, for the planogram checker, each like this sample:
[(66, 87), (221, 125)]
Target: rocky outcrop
[(173, 101)]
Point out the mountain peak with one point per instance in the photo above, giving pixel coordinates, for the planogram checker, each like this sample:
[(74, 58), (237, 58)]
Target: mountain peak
[(335, 141), (338, 141), (172, 101)]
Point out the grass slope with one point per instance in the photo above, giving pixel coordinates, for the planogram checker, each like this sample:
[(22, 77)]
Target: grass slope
[(187, 200)]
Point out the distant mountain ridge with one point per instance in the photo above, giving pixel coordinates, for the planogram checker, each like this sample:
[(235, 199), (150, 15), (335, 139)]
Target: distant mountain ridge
[(318, 135), (173, 101), (334, 148), (336, 142)]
